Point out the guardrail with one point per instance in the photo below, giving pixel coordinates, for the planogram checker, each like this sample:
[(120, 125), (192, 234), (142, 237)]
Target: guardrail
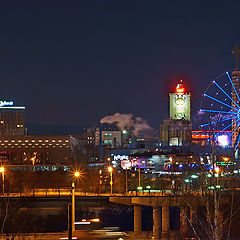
[(67, 192)]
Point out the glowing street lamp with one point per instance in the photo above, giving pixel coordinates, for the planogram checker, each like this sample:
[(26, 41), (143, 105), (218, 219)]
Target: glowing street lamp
[(2, 170), (76, 174), (110, 170)]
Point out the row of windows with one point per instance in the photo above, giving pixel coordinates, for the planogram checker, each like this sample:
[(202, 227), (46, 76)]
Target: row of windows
[(53, 141), (34, 146)]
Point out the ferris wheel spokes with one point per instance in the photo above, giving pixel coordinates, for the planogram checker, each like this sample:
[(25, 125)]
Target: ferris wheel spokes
[(220, 102), (214, 82), (224, 129), (222, 120), (216, 111)]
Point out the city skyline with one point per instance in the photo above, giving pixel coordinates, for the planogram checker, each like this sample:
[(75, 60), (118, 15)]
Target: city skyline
[(76, 63)]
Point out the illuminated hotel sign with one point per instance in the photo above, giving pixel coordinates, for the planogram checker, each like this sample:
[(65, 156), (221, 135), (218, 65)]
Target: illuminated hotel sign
[(6, 103), (180, 103)]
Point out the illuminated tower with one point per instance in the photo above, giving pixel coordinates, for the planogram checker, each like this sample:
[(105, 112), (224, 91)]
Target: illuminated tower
[(177, 131), (235, 79), (180, 103)]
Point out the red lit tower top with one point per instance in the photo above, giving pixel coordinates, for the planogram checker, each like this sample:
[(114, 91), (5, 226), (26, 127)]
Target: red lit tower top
[(180, 88)]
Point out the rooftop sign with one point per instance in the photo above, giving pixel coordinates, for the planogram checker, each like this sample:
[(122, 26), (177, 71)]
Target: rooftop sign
[(6, 103)]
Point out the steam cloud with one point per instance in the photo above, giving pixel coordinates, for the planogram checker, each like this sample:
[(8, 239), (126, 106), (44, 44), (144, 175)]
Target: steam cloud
[(127, 121)]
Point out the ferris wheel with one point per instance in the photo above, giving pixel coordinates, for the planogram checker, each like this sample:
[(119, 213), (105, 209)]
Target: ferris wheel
[(220, 110)]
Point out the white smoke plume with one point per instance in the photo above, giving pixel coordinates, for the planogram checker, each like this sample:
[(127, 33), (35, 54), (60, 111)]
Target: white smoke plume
[(127, 121)]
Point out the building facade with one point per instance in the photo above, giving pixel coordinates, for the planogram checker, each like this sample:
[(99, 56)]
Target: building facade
[(34, 149), (177, 130), (11, 119)]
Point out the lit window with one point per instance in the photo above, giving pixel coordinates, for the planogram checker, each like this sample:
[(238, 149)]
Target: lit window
[(107, 134), (107, 142), (13, 141), (6, 141), (59, 140), (26, 140), (40, 140), (33, 140), (46, 140), (19, 141), (67, 141), (53, 141)]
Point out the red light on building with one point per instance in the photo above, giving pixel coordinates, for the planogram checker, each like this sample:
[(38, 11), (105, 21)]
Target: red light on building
[(180, 88)]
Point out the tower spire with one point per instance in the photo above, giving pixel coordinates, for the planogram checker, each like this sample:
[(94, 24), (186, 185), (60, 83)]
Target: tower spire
[(236, 53)]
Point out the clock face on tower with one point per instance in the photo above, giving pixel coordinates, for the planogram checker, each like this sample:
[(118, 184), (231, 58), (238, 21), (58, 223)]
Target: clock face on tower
[(180, 106)]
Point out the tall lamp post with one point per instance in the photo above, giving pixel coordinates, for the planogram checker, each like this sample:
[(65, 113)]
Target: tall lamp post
[(76, 175), (2, 170), (110, 170)]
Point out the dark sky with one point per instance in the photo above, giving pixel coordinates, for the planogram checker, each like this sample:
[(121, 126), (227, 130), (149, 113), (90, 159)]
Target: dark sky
[(73, 62)]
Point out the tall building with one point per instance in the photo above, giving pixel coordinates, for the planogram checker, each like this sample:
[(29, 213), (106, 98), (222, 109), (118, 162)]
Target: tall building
[(180, 103), (235, 80), (177, 131), (11, 119)]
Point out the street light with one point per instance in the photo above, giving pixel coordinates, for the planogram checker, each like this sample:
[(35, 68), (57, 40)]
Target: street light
[(2, 170), (76, 174), (110, 170)]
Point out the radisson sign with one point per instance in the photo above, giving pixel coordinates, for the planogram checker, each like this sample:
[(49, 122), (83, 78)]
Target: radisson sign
[(6, 103)]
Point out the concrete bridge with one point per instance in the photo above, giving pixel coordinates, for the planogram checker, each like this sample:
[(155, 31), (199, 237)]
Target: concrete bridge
[(160, 202)]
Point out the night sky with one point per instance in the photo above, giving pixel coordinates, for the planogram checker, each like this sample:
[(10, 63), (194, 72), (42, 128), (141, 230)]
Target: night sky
[(70, 63)]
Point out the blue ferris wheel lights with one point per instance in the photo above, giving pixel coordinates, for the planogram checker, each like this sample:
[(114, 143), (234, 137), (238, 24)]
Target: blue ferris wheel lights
[(222, 120), (224, 129), (216, 111), (225, 93), (220, 102)]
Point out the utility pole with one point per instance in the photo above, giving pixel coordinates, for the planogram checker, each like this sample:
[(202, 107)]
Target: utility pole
[(69, 221), (215, 200), (139, 177), (73, 206)]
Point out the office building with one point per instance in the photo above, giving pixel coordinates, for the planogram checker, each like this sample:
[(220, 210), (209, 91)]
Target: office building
[(11, 119)]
